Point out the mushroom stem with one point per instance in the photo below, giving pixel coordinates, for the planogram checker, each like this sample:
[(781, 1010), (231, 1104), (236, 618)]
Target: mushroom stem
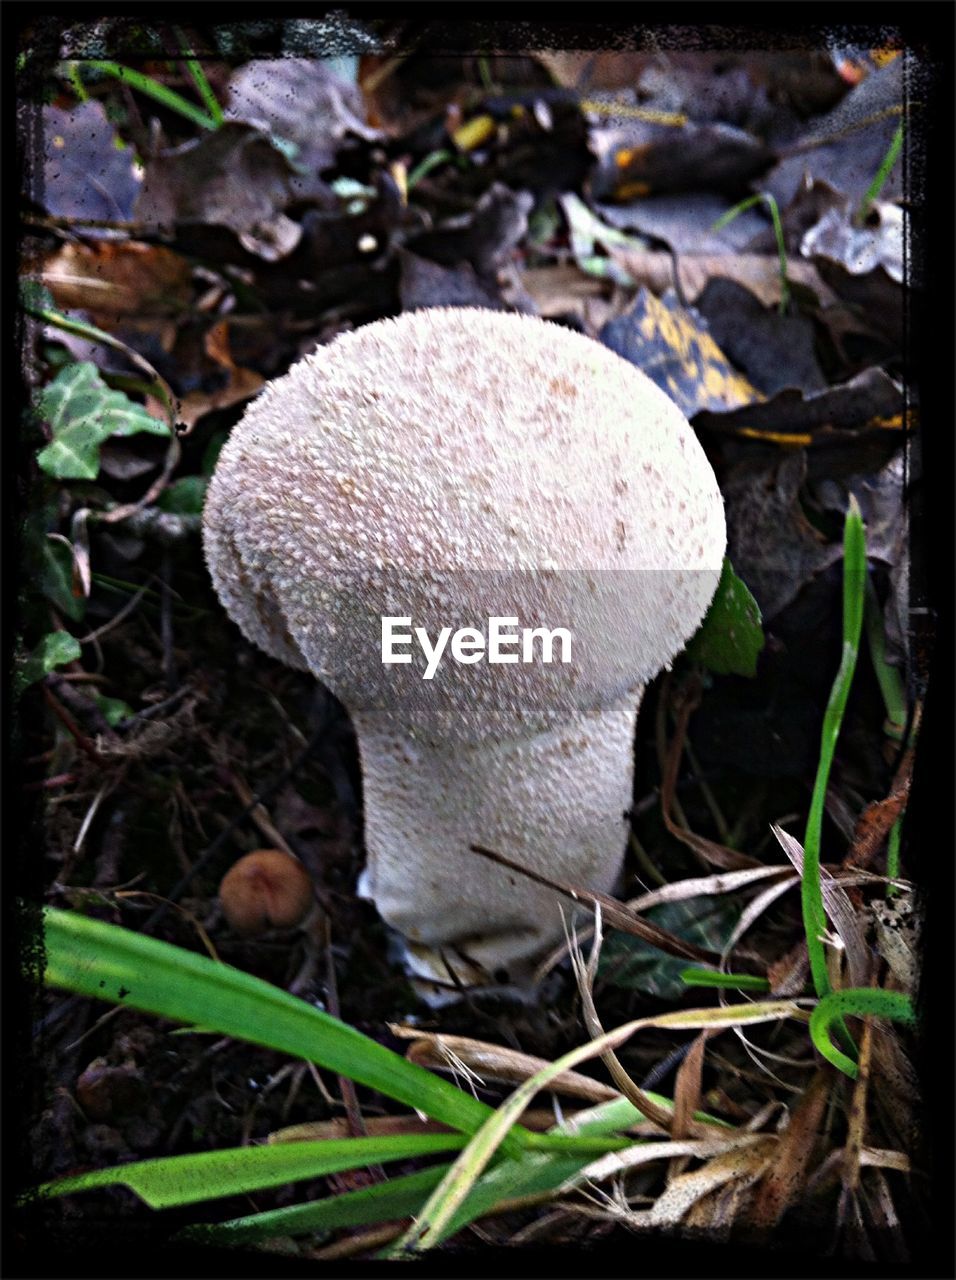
[(557, 800)]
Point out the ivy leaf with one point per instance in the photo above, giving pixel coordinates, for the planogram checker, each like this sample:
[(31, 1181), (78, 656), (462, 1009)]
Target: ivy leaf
[(83, 412), (634, 965), (55, 650), (114, 710), (731, 635), (184, 497)]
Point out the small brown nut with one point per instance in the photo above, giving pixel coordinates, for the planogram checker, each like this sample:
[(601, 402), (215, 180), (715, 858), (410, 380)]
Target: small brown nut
[(267, 889)]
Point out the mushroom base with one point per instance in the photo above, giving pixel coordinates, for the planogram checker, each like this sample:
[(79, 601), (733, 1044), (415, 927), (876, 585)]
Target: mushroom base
[(556, 803)]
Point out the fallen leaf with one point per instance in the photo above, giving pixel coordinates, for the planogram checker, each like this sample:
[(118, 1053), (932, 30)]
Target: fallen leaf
[(78, 168), (773, 350), (769, 539), (426, 284), (638, 158), (672, 346), (870, 401), (686, 222), (864, 265), (485, 238), (306, 103), (846, 147), (112, 279), (233, 178)]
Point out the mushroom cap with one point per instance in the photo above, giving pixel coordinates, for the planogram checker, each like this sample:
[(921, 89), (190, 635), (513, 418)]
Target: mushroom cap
[(266, 889), (456, 464)]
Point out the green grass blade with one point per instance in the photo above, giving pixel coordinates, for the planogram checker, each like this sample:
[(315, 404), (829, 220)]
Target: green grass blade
[(893, 856), (863, 1002), (203, 87), (879, 181), (400, 1197), (207, 1175), (695, 977), (397, 1198), (511, 1180), (111, 963), (158, 92), (888, 677), (620, 1113), (854, 580), (764, 197)]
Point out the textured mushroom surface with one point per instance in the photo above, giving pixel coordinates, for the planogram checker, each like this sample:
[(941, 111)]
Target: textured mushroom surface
[(451, 466)]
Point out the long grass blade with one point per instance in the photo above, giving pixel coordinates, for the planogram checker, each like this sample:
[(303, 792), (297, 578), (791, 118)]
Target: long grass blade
[(206, 1175), (110, 963), (854, 580)]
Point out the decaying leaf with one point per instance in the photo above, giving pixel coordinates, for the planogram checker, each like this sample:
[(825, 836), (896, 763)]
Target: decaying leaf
[(773, 350), (233, 178), (111, 279), (640, 158), (870, 401), (846, 147), (769, 539), (672, 346), (304, 102), (426, 284), (77, 166)]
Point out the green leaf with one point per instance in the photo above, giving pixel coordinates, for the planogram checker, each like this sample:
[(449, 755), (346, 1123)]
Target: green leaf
[(114, 710), (862, 1002), (400, 1197), (83, 412), (184, 497), (730, 637), (632, 964), (177, 1180), (54, 650), (107, 962)]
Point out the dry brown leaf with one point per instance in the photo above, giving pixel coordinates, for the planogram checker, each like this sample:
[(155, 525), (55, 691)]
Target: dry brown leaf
[(561, 288), (615, 913), (494, 1062), (746, 1163), (787, 1176), (617, 1162), (110, 279), (330, 1130), (687, 1086), (705, 886), (241, 383), (585, 975), (856, 1120)]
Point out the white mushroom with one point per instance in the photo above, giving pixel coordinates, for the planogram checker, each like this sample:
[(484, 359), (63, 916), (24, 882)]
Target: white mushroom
[(451, 466)]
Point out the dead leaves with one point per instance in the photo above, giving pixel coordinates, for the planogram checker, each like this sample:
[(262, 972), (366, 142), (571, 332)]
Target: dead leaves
[(119, 280), (674, 349)]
